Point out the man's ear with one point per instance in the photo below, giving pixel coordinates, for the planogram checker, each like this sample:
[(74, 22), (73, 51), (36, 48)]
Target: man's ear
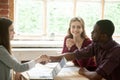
[(104, 36)]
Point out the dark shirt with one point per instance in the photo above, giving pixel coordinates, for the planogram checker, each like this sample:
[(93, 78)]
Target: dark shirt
[(89, 63), (107, 58)]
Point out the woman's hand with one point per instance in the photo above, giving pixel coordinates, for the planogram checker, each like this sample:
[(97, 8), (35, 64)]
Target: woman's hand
[(44, 59), (69, 43)]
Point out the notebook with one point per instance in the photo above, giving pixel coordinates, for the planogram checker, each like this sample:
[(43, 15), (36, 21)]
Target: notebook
[(46, 72)]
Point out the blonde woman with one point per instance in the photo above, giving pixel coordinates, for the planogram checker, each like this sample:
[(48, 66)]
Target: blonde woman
[(77, 39)]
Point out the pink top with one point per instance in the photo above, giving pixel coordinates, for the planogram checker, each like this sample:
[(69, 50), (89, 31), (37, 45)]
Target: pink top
[(89, 63)]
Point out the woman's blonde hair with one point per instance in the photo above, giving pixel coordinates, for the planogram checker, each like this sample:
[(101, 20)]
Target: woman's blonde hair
[(79, 19)]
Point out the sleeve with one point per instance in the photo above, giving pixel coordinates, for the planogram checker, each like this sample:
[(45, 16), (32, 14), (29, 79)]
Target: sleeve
[(7, 59), (106, 68), (64, 50), (89, 63), (87, 42), (85, 52)]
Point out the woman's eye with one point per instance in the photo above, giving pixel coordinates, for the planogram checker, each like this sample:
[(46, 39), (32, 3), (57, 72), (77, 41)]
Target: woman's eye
[(78, 27), (73, 26)]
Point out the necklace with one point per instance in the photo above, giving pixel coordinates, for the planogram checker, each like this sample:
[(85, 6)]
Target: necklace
[(79, 44)]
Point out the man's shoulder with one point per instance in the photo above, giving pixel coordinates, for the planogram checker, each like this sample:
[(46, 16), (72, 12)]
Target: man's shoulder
[(115, 50), (116, 44)]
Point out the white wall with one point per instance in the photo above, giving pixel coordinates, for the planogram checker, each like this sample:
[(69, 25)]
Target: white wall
[(30, 53), (27, 50)]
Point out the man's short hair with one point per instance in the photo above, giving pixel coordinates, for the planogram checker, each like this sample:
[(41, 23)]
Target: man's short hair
[(106, 27)]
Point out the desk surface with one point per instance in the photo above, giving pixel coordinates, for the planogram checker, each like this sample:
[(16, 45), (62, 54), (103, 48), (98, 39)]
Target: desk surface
[(69, 72)]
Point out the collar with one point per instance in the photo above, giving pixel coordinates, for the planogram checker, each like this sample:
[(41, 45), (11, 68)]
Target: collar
[(109, 44)]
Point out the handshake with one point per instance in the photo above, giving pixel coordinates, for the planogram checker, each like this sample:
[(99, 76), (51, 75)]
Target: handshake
[(43, 59)]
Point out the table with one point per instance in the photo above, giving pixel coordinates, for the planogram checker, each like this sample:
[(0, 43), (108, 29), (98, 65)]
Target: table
[(69, 72)]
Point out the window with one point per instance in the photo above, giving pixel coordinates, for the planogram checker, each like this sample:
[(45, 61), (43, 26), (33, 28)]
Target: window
[(59, 13), (44, 18), (29, 17), (90, 12), (112, 12)]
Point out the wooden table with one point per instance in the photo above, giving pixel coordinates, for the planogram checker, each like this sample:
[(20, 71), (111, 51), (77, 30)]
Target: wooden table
[(69, 72)]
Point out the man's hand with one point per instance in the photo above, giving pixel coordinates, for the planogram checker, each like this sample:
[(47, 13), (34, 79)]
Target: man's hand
[(92, 75), (83, 70)]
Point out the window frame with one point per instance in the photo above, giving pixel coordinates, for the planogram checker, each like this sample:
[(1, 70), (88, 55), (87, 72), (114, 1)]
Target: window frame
[(38, 37)]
